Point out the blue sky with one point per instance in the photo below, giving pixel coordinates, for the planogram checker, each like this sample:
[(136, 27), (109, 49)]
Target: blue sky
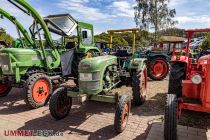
[(109, 14)]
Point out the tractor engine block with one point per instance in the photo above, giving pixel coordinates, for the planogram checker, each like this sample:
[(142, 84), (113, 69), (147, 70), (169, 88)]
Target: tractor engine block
[(111, 77)]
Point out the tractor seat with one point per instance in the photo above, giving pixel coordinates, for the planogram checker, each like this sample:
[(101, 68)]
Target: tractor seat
[(70, 45), (122, 53)]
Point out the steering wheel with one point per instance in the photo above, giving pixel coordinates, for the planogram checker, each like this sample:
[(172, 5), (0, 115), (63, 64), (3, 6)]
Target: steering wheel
[(57, 43)]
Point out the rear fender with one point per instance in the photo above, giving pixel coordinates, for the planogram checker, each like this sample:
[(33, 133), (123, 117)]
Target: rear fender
[(153, 56), (136, 64)]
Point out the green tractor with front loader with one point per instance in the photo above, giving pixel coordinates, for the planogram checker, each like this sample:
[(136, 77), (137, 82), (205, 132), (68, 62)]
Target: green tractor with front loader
[(98, 76), (50, 57)]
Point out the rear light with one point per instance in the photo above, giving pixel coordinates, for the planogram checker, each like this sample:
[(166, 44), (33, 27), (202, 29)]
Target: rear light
[(196, 79)]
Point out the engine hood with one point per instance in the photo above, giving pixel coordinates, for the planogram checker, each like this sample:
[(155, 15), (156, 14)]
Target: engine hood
[(96, 63), (24, 51), (204, 60)]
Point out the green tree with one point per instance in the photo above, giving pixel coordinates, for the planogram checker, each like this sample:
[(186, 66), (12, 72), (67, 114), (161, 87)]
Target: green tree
[(125, 39), (5, 37), (154, 14), (118, 39), (206, 43)]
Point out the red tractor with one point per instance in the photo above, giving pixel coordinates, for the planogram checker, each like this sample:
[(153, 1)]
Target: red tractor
[(189, 86)]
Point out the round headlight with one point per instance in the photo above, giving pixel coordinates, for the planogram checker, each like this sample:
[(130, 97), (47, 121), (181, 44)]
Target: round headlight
[(196, 79)]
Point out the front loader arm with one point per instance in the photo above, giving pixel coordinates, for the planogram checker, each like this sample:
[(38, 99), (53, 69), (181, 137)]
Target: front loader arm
[(19, 26), (37, 17)]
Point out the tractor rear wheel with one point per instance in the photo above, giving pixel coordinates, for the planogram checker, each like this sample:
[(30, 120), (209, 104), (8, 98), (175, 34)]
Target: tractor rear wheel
[(4, 89), (38, 90), (177, 74), (139, 86), (60, 103), (122, 113), (170, 122), (158, 68)]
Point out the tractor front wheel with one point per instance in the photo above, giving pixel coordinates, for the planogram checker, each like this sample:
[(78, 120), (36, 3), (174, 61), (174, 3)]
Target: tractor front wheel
[(38, 90), (139, 86), (170, 122), (158, 68), (177, 74), (4, 89), (122, 113), (60, 103)]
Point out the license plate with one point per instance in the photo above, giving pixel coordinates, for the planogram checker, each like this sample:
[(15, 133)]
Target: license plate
[(85, 76)]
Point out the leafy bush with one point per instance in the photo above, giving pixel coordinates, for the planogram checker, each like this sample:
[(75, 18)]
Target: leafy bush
[(5, 37), (206, 43)]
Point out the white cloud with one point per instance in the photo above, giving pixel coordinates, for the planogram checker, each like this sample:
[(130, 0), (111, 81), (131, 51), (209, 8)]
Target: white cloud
[(194, 19), (194, 22), (123, 8), (79, 8), (114, 10)]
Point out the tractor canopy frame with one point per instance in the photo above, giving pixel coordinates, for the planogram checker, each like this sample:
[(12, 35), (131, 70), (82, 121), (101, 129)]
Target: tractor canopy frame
[(63, 24), (133, 30), (185, 58)]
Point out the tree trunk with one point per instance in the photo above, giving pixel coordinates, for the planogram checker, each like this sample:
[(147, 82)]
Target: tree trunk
[(156, 20)]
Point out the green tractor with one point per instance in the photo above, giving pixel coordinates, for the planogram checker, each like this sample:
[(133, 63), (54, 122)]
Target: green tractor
[(98, 76), (157, 62), (51, 56)]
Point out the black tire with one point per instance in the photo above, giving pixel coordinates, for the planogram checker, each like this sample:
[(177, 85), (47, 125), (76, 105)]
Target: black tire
[(177, 74), (60, 101), (170, 122), (150, 71), (122, 113), (4, 90), (30, 87), (138, 96)]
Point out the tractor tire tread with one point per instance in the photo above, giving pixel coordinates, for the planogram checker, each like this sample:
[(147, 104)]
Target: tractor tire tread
[(170, 122), (136, 89), (53, 103), (177, 74), (29, 89), (119, 113)]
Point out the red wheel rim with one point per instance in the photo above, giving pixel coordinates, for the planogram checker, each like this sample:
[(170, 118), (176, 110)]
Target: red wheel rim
[(143, 83), (159, 68), (41, 90), (125, 115), (3, 88)]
